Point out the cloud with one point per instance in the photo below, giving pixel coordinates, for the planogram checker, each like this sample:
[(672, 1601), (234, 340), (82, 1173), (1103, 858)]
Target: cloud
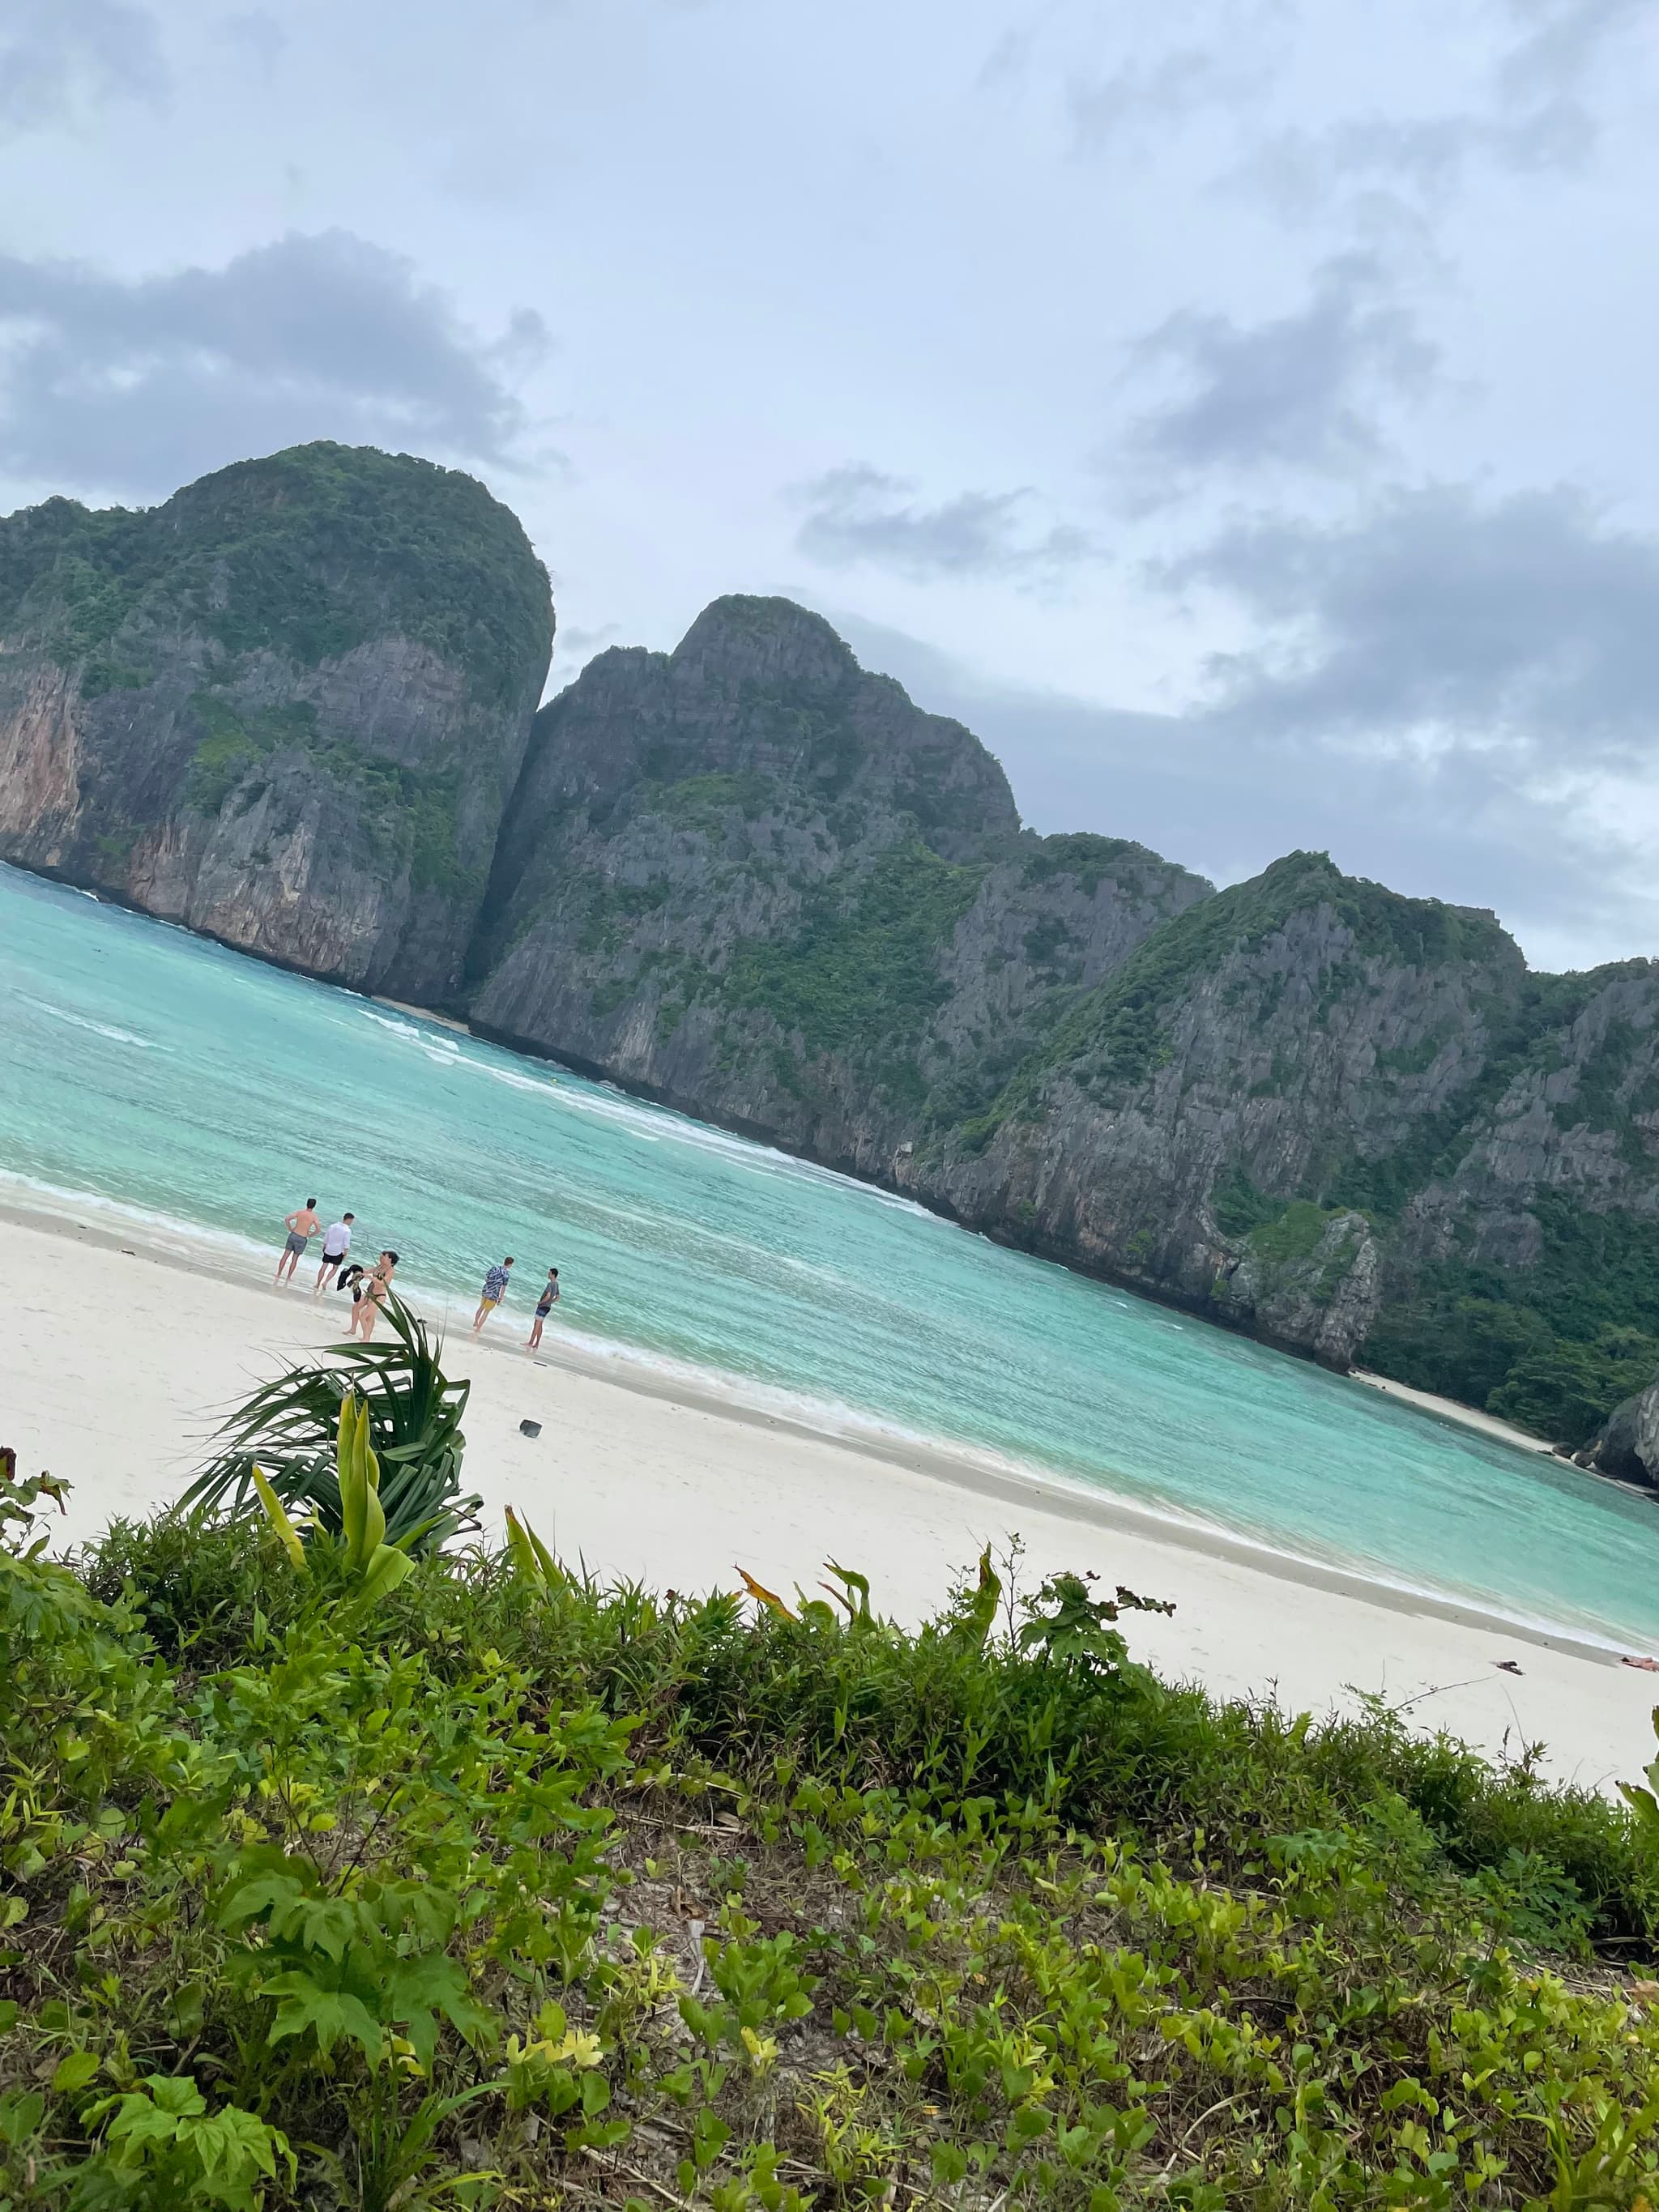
[(1166, 89), (1456, 696), (256, 34), (1534, 110), (1298, 391), (58, 57), (136, 386), (1522, 627), (1199, 56), (1543, 117), (855, 516)]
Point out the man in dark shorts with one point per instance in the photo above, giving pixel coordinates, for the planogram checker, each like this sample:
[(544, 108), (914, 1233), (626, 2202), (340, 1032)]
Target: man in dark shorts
[(544, 1305), (302, 1226), (337, 1242)]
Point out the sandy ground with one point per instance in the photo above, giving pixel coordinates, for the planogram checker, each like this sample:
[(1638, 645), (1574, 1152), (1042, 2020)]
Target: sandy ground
[(116, 1354), (1447, 1409)]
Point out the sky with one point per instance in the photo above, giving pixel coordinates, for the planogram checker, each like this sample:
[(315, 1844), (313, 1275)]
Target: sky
[(1239, 412)]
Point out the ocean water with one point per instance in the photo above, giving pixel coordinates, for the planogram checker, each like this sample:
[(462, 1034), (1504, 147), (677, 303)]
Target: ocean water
[(143, 1069)]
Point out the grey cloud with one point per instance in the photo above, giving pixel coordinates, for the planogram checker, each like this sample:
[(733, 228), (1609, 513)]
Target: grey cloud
[(58, 56), (134, 387), (1521, 626), (257, 34), (1424, 156), (1299, 391), (1009, 58), (1211, 56), (857, 515), (1537, 111), (1167, 90), (1444, 696), (1544, 119)]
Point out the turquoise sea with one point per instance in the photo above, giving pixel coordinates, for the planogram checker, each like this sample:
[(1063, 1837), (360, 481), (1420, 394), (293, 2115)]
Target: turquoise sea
[(142, 1068)]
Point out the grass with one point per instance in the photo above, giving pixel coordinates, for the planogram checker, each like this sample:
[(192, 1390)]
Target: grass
[(513, 1888)]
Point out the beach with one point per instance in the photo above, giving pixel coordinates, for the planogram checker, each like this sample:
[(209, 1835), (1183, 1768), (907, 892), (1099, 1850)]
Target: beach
[(123, 1348)]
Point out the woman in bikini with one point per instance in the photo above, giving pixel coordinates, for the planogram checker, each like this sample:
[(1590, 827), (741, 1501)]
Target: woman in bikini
[(371, 1296)]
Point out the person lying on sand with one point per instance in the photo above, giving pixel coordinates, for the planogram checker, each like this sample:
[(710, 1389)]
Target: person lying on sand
[(370, 1296), (494, 1290), (302, 1226), (337, 1242), (544, 1305)]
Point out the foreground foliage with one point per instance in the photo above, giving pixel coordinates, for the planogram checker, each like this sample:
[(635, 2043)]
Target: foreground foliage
[(494, 1886), (292, 1428)]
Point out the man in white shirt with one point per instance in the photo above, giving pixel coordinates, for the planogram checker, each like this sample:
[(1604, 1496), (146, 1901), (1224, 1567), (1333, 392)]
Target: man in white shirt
[(337, 1242)]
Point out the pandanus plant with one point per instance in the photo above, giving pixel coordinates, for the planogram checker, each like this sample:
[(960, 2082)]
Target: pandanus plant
[(414, 1415), (369, 1564)]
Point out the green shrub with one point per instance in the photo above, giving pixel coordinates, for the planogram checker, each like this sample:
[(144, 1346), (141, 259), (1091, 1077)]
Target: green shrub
[(522, 1889)]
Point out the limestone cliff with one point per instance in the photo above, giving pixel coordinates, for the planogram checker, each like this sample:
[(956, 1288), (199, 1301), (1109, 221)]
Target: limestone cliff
[(1356, 1123), (752, 879), (287, 707)]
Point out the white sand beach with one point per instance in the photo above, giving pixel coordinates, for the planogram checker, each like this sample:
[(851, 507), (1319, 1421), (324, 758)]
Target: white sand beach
[(119, 1351), (1447, 1409)]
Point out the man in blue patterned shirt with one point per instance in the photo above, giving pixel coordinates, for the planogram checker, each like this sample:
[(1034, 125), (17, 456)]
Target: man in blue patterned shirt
[(494, 1290)]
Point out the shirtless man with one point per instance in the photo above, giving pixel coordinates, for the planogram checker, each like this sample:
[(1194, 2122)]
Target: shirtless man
[(302, 1226), (371, 1296)]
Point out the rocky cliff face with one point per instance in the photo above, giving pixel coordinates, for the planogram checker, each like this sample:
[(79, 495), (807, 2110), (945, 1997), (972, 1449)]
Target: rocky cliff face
[(1628, 1446), (754, 879), (1355, 1123), (287, 707)]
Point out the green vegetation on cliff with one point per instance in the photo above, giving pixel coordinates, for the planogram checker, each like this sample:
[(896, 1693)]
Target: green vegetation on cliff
[(1554, 1347), (307, 553), (861, 976), (407, 815), (1118, 1035)]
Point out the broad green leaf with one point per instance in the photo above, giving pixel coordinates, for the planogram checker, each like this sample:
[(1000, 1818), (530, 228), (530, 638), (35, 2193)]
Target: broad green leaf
[(386, 1568), (330, 2015)]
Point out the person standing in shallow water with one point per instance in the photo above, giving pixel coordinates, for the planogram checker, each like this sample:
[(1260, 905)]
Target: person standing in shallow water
[(337, 1242), (494, 1290), (544, 1305), (302, 1226)]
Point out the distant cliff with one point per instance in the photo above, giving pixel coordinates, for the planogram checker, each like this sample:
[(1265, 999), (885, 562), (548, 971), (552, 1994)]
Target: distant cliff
[(753, 880), (287, 707), (293, 707), (757, 882), (1356, 1124)]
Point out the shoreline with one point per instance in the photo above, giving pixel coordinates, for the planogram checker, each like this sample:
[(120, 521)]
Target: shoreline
[(1452, 1409), (981, 1473), (1445, 1409), (124, 1346)]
